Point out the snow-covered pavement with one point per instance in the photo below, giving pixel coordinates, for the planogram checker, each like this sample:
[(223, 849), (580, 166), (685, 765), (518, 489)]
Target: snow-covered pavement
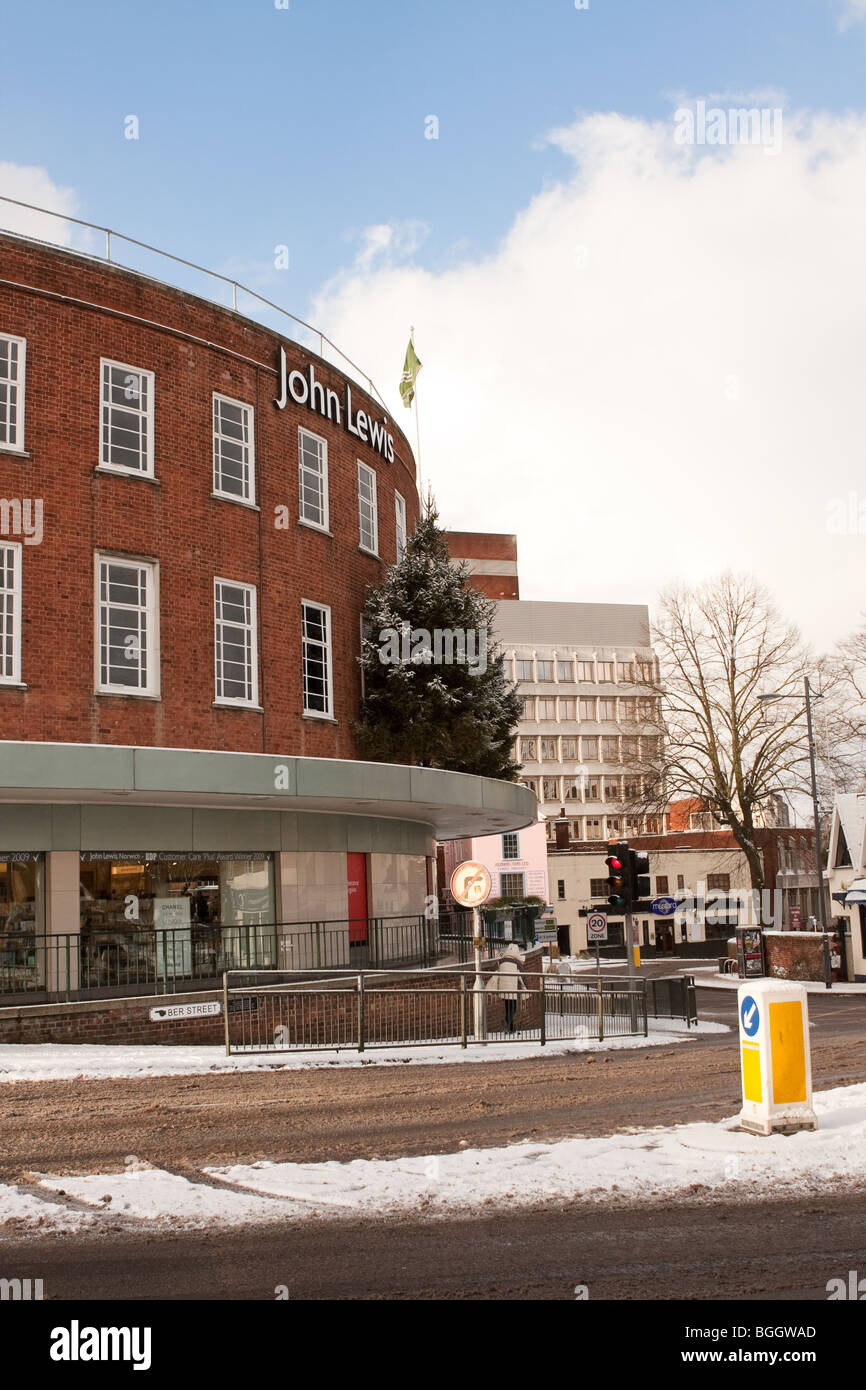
[(65, 1061), (650, 1164), (707, 977)]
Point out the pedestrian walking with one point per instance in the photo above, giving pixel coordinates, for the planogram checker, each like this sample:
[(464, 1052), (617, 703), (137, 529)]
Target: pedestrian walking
[(507, 982)]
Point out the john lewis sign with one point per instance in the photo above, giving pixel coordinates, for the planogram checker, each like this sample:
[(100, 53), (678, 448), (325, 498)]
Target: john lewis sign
[(304, 389)]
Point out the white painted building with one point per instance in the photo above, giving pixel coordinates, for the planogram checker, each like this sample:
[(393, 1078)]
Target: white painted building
[(846, 871), (578, 883)]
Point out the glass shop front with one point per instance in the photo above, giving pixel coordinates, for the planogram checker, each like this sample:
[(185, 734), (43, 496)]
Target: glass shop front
[(149, 915), (22, 922)]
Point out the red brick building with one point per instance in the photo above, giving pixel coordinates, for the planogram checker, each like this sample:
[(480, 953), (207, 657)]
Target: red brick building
[(163, 503), (192, 507), (492, 561)]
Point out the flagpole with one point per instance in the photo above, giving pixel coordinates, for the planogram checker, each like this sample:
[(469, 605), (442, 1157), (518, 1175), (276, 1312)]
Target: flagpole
[(417, 420)]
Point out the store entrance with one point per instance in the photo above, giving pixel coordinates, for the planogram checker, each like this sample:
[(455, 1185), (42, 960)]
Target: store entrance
[(664, 934)]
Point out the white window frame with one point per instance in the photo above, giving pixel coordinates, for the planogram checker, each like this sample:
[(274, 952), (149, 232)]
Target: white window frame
[(248, 497), (400, 524), (104, 440), (325, 523), (512, 874), (252, 655), (329, 673), (152, 689), (19, 387), (374, 548), (14, 676)]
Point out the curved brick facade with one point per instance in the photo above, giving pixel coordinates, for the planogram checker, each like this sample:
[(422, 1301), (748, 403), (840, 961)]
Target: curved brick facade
[(74, 312)]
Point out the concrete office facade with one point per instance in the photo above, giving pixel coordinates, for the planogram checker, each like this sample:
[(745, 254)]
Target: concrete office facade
[(589, 729)]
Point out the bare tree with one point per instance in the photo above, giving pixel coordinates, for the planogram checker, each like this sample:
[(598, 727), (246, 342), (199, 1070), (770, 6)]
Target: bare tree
[(719, 648), (841, 721)]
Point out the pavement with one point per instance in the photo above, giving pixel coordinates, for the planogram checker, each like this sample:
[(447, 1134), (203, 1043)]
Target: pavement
[(709, 978)]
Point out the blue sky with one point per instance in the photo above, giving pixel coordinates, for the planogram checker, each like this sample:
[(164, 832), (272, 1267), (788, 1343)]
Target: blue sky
[(593, 302), (302, 126)]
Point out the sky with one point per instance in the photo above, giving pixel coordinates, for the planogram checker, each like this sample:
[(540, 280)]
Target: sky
[(642, 343)]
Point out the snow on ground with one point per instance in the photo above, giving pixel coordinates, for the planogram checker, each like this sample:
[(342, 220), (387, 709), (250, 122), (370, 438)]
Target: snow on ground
[(19, 1209), (709, 978), (658, 1163), (62, 1061), (151, 1194)]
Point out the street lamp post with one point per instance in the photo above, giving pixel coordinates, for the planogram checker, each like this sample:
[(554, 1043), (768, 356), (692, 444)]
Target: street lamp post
[(819, 864)]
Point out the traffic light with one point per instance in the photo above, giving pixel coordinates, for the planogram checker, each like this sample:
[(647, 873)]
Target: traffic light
[(638, 878), (617, 875), (628, 880)]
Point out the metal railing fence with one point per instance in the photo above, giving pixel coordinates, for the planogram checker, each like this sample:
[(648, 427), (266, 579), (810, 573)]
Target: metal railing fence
[(381, 1009), (234, 285), (673, 996), (668, 996), (110, 959)]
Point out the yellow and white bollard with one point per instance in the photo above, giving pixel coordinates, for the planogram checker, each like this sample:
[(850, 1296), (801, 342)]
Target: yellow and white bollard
[(776, 1057)]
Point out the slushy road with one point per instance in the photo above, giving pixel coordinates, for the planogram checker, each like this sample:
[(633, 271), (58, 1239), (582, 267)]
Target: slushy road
[(772, 1250)]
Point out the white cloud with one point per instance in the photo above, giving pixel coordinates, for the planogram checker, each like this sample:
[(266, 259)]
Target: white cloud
[(852, 12), (683, 323), (386, 243), (31, 184)]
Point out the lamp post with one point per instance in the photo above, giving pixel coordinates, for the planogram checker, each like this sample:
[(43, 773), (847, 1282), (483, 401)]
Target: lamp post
[(819, 864)]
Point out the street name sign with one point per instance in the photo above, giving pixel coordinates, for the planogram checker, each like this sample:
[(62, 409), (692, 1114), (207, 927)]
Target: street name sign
[(167, 1012)]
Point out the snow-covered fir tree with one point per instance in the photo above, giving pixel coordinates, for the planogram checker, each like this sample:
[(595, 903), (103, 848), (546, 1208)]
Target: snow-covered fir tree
[(419, 707)]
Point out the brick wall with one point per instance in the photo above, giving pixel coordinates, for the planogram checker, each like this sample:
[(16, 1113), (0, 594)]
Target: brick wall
[(194, 349), (109, 1021), (489, 547), (127, 1021), (800, 955), (797, 955)]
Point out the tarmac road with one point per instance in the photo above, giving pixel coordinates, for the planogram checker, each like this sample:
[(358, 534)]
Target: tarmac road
[(773, 1250)]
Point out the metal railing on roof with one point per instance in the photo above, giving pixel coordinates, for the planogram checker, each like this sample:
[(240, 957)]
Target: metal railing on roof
[(235, 285)]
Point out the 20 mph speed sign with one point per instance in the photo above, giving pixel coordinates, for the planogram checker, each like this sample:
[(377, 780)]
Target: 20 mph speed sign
[(596, 927)]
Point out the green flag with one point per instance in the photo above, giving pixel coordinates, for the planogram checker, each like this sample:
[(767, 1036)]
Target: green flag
[(411, 368)]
